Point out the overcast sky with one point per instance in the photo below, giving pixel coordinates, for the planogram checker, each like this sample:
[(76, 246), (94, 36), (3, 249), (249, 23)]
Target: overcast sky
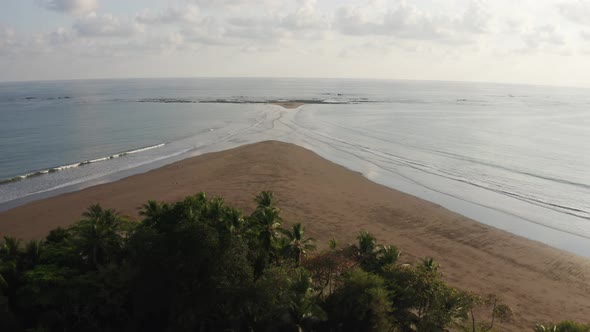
[(519, 41)]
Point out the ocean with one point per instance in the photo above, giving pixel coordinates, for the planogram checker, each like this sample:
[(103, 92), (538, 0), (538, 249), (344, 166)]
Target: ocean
[(514, 157)]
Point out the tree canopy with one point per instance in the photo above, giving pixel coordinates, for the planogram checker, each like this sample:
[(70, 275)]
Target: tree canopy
[(201, 265)]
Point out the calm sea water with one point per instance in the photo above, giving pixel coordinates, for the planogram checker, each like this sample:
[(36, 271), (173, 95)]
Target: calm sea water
[(515, 157)]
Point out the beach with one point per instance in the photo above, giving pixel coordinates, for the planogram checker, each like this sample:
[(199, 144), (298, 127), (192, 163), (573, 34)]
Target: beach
[(289, 105), (538, 282)]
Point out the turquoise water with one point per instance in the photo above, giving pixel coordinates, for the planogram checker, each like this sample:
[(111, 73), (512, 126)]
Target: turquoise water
[(515, 157)]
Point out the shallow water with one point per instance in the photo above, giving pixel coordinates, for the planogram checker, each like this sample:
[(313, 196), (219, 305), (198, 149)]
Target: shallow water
[(515, 157)]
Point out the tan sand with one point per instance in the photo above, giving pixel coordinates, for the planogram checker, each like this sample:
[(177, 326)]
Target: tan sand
[(540, 283), (289, 104)]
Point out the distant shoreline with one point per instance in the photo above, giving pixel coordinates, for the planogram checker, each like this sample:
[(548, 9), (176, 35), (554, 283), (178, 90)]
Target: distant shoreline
[(294, 103), (288, 104), (539, 282)]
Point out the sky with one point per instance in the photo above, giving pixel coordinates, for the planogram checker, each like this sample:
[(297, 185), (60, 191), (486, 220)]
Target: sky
[(544, 42)]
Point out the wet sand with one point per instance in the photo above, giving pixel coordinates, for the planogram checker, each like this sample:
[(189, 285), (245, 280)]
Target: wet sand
[(540, 283)]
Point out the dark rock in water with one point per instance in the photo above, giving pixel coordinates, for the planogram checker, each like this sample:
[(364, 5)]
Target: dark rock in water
[(165, 100)]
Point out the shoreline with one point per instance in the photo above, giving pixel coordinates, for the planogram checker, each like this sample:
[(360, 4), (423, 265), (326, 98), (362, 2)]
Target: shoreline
[(490, 215), (290, 105), (539, 282)]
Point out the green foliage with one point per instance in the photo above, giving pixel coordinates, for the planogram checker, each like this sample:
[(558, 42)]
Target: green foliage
[(361, 303), (296, 245), (422, 300), (497, 312), (565, 326), (100, 237), (332, 244), (200, 265), (372, 256)]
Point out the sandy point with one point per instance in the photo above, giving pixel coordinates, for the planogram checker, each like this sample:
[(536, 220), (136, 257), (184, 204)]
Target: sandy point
[(288, 104), (538, 282)]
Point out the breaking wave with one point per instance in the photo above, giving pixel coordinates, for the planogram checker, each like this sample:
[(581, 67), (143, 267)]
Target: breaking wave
[(78, 164)]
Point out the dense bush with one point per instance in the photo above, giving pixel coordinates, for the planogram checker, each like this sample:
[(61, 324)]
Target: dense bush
[(200, 265)]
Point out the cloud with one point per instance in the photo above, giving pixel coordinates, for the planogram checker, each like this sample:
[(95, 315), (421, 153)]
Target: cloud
[(75, 7), (8, 39), (263, 28), (236, 3), (575, 11), (407, 21), (94, 25), (476, 18), (404, 21), (306, 17), (208, 33), (544, 35), (60, 36), (172, 15)]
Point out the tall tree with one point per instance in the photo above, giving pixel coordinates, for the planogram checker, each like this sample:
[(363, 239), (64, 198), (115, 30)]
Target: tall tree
[(298, 246), (100, 235), (265, 200)]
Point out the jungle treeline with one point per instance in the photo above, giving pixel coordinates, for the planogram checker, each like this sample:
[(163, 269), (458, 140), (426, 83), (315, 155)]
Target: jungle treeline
[(201, 265)]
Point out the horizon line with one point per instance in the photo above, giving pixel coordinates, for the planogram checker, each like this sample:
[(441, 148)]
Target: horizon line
[(290, 77)]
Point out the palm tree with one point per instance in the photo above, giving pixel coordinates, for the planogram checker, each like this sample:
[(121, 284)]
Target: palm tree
[(233, 219), (367, 244), (214, 209), (32, 252), (151, 212), (10, 247), (265, 200), (201, 198), (373, 257), (388, 255), (269, 223), (3, 283), (428, 264), (298, 246), (303, 305), (9, 262), (99, 234)]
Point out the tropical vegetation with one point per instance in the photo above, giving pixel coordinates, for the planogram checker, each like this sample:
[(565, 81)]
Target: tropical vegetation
[(201, 265)]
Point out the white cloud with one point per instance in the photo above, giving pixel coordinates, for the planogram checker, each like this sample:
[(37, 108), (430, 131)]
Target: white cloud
[(107, 25), (76, 7), (576, 11), (8, 39), (306, 17), (406, 21), (263, 29), (207, 35), (237, 3), (476, 18), (544, 35), (60, 36), (259, 30), (172, 15), (369, 35)]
